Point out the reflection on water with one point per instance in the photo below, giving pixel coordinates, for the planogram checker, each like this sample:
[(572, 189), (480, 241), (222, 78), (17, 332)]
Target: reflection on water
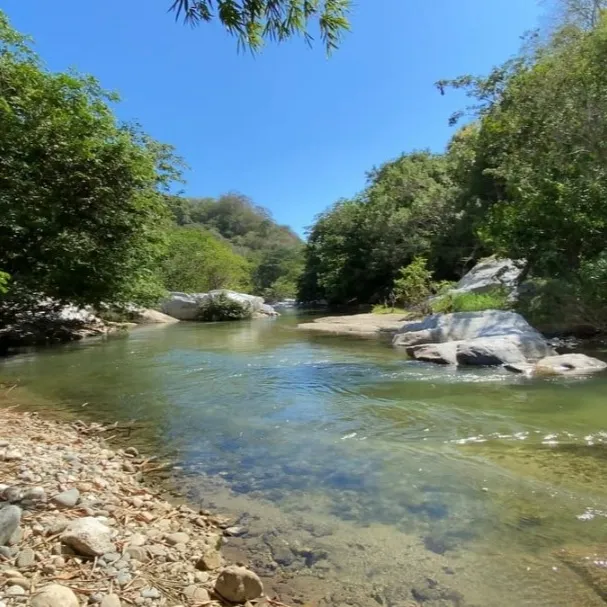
[(374, 479)]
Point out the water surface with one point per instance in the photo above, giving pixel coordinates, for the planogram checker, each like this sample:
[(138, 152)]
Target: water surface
[(361, 478)]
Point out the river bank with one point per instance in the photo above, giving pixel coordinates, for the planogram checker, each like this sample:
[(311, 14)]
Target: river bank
[(78, 526)]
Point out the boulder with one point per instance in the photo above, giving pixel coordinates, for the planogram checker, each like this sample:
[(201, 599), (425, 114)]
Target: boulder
[(153, 317), (188, 306), (442, 354), (238, 584), (88, 536), (491, 337), (490, 273), (568, 364), (183, 306), (55, 595)]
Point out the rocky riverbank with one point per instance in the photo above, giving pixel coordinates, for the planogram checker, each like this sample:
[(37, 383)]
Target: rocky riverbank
[(78, 527)]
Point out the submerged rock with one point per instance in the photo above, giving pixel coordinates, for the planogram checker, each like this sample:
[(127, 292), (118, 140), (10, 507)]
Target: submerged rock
[(568, 364), (238, 584)]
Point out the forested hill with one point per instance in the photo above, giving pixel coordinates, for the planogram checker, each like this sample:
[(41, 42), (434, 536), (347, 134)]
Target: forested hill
[(240, 244)]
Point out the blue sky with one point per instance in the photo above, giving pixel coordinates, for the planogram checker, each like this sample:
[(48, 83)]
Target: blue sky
[(290, 128)]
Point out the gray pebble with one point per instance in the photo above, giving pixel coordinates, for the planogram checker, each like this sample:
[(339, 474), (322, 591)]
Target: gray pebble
[(10, 517), (15, 591), (26, 558), (150, 593), (123, 578), (67, 499)]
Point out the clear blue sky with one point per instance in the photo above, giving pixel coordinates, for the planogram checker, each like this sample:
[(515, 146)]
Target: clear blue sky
[(290, 128)]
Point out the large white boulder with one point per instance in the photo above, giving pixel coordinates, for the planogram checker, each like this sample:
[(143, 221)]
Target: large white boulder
[(187, 306), (491, 337), (490, 273), (569, 364)]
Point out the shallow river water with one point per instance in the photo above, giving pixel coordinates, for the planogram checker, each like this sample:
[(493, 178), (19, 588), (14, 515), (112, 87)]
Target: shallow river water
[(358, 477)]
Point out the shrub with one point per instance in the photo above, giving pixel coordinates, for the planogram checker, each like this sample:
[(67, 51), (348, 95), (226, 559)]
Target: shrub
[(414, 284), (221, 307), (386, 309), (496, 299)]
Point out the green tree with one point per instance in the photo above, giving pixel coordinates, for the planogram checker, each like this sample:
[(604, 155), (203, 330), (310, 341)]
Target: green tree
[(198, 262), (81, 213), (253, 21)]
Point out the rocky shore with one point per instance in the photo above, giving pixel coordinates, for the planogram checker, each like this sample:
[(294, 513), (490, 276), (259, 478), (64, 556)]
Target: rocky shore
[(78, 527)]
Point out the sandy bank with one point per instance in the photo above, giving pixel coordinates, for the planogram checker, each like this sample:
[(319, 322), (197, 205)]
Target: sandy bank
[(359, 325)]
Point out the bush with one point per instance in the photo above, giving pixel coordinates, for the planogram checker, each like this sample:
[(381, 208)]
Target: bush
[(496, 299), (386, 309), (414, 284), (221, 307), (573, 305)]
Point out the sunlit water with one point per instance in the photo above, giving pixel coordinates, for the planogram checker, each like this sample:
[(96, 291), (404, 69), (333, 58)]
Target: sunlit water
[(361, 478)]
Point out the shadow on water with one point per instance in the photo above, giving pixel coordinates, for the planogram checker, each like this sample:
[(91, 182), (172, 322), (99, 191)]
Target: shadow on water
[(418, 472)]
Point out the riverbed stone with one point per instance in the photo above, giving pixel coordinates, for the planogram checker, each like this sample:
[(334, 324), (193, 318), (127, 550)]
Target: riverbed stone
[(55, 595), (238, 584), (178, 538), (10, 517), (67, 499), (88, 536), (26, 558), (569, 364), (111, 600), (442, 354), (209, 561)]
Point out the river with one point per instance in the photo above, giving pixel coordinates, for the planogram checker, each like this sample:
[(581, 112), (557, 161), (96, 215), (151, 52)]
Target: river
[(359, 478)]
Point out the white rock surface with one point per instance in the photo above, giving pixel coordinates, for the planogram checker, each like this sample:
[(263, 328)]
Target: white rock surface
[(490, 273), (569, 364), (88, 536), (492, 337)]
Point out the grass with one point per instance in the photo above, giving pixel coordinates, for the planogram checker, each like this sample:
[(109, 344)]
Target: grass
[(496, 299), (384, 309)]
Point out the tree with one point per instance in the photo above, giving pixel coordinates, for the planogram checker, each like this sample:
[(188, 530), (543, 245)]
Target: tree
[(253, 21), (198, 262), (581, 13), (81, 209)]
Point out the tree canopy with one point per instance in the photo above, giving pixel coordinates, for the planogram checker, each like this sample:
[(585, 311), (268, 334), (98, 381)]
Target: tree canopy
[(81, 208), (253, 21)]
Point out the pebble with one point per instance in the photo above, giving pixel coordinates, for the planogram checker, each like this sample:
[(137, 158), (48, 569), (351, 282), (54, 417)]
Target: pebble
[(88, 536), (131, 451), (26, 558), (15, 591), (10, 517), (67, 499), (150, 593), (55, 595), (138, 553), (13, 455), (137, 539), (178, 538), (123, 578), (209, 561), (238, 584), (111, 600)]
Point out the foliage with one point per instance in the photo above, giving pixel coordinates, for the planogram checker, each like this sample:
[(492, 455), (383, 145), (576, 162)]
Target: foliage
[(198, 262), (496, 299), (414, 283), (81, 214), (387, 309), (221, 307), (575, 303), (253, 21), (411, 207), (4, 278), (273, 252)]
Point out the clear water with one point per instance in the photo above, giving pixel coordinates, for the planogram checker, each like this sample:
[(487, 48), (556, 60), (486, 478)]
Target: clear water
[(361, 478)]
